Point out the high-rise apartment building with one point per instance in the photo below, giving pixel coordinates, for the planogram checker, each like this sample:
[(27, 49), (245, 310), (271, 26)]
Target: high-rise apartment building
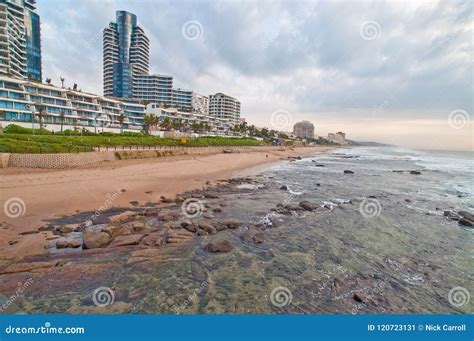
[(126, 55), (304, 130), (20, 39), (224, 106)]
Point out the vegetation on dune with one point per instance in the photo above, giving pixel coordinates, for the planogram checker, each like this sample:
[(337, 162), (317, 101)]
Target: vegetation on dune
[(21, 140)]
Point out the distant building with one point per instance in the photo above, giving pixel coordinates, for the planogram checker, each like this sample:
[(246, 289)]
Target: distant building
[(224, 106), (338, 137), (200, 103), (20, 40), (182, 99), (304, 130), (126, 54)]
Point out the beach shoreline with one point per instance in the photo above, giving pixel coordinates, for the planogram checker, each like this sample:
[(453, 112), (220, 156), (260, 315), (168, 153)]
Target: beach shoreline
[(51, 194)]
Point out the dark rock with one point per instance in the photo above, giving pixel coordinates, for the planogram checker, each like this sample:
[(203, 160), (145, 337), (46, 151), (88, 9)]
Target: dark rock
[(466, 222), (318, 184), (200, 232), (407, 200), (148, 192), (220, 246), (217, 209), (28, 232), (372, 196), (415, 172), (346, 171), (319, 165), (308, 206), (231, 223), (210, 195), (293, 207), (151, 212), (258, 238), (466, 215), (134, 203), (207, 226), (284, 188), (358, 297)]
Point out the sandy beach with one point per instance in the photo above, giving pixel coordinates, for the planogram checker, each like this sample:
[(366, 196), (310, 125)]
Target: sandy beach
[(50, 194)]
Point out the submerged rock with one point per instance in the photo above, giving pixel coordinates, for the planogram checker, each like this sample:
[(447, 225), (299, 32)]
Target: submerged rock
[(220, 246), (347, 171), (415, 172), (307, 205), (284, 188)]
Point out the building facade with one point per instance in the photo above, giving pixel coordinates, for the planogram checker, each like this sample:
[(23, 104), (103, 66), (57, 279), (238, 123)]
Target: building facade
[(338, 137), (182, 99), (224, 106), (304, 130), (200, 104), (20, 40), (22, 102), (216, 125), (153, 88), (126, 53)]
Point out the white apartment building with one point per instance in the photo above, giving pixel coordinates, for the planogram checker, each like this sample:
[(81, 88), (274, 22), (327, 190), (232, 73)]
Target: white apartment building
[(216, 124), (224, 106), (200, 103), (22, 101)]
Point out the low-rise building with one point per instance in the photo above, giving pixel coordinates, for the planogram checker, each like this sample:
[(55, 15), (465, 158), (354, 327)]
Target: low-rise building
[(21, 102), (215, 124), (304, 130)]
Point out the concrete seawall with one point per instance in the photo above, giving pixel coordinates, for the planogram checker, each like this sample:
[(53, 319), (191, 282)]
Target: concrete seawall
[(73, 160)]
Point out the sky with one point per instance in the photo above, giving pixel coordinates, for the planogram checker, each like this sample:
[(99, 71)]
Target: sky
[(388, 71)]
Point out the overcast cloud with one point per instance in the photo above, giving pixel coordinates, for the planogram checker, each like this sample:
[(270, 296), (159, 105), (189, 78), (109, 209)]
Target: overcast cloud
[(389, 71)]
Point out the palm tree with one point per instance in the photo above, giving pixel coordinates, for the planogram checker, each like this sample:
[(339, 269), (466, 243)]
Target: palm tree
[(166, 124), (62, 81), (62, 117), (121, 120), (40, 114), (149, 121)]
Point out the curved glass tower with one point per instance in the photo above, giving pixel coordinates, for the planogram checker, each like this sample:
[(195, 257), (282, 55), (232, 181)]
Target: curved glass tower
[(126, 53), (20, 39)]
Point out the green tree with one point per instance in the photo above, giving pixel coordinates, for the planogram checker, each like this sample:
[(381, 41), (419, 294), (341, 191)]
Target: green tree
[(121, 121)]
